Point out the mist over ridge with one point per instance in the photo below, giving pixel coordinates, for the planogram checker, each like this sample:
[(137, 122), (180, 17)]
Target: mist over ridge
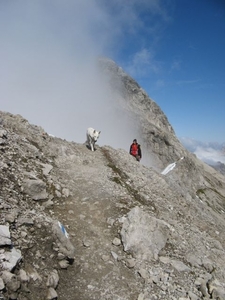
[(49, 73)]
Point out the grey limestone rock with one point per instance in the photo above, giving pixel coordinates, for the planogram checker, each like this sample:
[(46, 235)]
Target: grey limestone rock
[(193, 296), (14, 284), (193, 259), (64, 264), (36, 189), (52, 294), (2, 285), (180, 266), (11, 259), (130, 262), (23, 276), (143, 235), (116, 241), (5, 238), (11, 217), (3, 133), (53, 279), (64, 243), (46, 169)]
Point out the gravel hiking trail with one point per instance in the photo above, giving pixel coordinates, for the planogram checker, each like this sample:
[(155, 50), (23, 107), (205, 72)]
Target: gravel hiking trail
[(89, 215)]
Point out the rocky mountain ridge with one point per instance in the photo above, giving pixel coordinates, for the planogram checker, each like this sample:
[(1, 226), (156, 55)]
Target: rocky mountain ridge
[(132, 233), (77, 224), (157, 134)]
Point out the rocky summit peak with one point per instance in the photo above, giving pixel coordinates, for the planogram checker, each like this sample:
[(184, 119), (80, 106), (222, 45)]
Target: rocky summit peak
[(81, 224), (157, 134)]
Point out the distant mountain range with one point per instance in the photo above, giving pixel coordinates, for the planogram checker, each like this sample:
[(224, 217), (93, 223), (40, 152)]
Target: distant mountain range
[(211, 153)]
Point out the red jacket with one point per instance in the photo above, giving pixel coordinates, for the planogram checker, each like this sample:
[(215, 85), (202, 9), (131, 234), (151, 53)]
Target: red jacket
[(134, 149)]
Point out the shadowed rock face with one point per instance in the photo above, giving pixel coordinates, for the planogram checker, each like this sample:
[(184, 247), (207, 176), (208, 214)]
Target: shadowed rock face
[(78, 224)]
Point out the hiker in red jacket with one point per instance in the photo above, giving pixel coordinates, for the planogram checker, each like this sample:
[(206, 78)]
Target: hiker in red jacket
[(135, 150)]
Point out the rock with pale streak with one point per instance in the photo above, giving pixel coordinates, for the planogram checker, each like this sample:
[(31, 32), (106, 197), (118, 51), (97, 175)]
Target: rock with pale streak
[(53, 279)]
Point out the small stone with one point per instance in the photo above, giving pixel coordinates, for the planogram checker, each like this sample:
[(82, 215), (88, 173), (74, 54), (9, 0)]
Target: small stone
[(90, 287), (53, 279), (203, 289), (7, 276), (38, 254), (52, 294), (14, 284), (4, 235), (105, 257), (130, 262), (23, 234), (110, 221), (64, 264), (23, 276), (65, 192), (218, 293), (86, 243), (61, 256), (116, 241), (48, 203), (192, 296), (141, 296), (164, 259), (11, 217), (193, 260), (114, 255), (58, 194), (143, 273), (199, 281), (25, 221), (180, 266), (13, 296), (2, 285)]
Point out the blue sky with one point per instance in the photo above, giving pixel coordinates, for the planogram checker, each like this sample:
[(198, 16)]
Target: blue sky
[(173, 48), (179, 60)]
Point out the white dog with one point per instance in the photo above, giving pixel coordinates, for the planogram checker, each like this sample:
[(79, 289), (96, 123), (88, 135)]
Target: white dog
[(92, 136)]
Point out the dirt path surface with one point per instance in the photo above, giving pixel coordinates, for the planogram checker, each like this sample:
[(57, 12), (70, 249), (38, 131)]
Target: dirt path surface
[(96, 203)]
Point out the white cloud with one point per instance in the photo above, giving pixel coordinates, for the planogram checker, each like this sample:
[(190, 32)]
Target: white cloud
[(210, 153), (143, 23), (143, 63), (48, 53), (48, 68)]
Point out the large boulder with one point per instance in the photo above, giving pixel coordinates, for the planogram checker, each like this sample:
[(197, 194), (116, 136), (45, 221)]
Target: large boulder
[(143, 235), (35, 188)]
